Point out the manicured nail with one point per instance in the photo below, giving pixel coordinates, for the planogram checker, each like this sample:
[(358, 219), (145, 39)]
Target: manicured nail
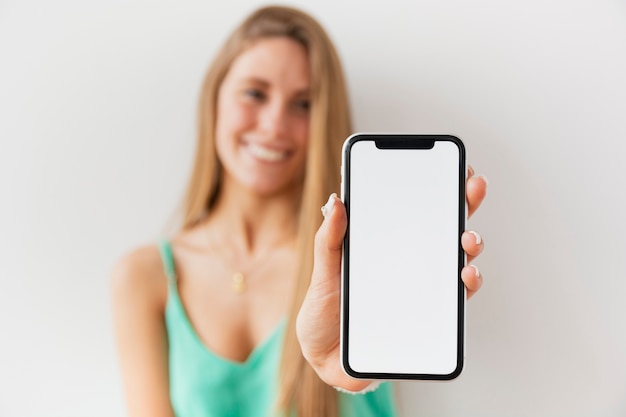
[(470, 171), (476, 271), (479, 239), (330, 204)]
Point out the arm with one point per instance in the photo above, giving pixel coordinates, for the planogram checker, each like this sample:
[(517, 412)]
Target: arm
[(317, 325), (139, 290)]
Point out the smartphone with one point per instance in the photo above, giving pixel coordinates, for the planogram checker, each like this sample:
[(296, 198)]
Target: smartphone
[(402, 297)]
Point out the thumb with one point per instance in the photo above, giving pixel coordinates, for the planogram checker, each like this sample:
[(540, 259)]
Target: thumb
[(328, 243)]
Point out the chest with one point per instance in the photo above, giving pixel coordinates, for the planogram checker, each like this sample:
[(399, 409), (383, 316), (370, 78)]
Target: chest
[(203, 383), (234, 312)]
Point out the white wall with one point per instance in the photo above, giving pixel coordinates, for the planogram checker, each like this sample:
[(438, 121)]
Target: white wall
[(97, 107)]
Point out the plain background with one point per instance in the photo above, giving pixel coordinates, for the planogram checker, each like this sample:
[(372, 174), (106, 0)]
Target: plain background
[(97, 110)]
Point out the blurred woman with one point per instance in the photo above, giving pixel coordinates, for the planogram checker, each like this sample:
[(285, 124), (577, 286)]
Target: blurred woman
[(206, 320)]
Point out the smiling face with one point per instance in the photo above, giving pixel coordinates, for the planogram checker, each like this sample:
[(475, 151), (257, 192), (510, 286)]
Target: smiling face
[(263, 117)]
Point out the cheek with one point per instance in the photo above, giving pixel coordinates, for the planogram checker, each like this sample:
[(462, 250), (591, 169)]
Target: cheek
[(232, 117), (302, 132)]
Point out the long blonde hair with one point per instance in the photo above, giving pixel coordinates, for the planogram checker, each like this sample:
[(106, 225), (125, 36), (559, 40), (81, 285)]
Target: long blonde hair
[(301, 390)]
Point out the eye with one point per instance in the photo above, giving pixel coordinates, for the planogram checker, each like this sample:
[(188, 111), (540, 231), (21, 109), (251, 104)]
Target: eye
[(303, 105), (254, 93)]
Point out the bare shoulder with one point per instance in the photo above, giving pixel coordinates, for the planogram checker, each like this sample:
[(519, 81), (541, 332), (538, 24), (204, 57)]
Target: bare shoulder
[(139, 276)]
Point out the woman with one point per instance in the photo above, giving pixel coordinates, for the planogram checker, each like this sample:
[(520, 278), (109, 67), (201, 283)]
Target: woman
[(206, 322)]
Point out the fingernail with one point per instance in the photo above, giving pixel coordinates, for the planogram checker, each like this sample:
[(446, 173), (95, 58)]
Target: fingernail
[(484, 179), (476, 271), (330, 204), (470, 171), (479, 239)]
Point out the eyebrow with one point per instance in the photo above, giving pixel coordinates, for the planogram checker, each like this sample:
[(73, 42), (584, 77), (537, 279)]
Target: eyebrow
[(266, 84), (256, 80)]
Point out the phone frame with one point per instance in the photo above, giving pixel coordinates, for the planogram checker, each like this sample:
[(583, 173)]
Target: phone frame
[(402, 141)]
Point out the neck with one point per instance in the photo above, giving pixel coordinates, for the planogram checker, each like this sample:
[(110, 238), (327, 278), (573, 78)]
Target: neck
[(251, 223)]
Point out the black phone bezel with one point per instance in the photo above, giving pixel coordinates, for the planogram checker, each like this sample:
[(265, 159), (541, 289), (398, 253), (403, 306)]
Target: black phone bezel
[(402, 141)]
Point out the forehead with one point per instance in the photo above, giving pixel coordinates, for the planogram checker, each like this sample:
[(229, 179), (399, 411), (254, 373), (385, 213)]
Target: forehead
[(278, 61)]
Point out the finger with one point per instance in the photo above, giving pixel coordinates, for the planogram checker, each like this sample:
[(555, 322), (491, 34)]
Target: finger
[(472, 279), (475, 191), (329, 241), (472, 244), (470, 171)]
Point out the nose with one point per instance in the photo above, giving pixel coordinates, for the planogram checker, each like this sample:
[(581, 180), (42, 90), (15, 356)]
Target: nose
[(274, 119)]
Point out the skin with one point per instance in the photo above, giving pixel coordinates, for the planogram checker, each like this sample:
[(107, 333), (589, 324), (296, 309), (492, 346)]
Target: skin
[(261, 139)]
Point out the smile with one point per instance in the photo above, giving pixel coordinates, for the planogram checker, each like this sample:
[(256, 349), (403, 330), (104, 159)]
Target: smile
[(266, 154)]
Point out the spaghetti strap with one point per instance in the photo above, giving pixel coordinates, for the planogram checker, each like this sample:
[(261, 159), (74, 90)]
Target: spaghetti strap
[(168, 261)]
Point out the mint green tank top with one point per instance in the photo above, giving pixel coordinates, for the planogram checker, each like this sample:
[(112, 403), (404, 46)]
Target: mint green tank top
[(203, 384)]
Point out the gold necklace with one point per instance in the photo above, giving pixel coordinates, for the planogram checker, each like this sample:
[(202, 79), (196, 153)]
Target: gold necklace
[(238, 284), (238, 281)]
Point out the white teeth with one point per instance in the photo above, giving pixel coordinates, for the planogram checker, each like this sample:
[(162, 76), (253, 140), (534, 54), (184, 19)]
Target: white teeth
[(266, 154)]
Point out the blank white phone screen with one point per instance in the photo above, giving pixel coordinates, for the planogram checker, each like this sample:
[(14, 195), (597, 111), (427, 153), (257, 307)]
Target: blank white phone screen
[(403, 259)]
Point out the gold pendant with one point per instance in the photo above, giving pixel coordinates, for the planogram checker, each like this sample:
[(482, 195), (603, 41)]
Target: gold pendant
[(239, 283)]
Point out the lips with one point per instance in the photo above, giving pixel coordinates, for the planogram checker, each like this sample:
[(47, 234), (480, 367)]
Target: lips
[(266, 154)]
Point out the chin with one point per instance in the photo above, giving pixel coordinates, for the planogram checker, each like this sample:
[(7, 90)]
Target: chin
[(271, 187), (263, 190)]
